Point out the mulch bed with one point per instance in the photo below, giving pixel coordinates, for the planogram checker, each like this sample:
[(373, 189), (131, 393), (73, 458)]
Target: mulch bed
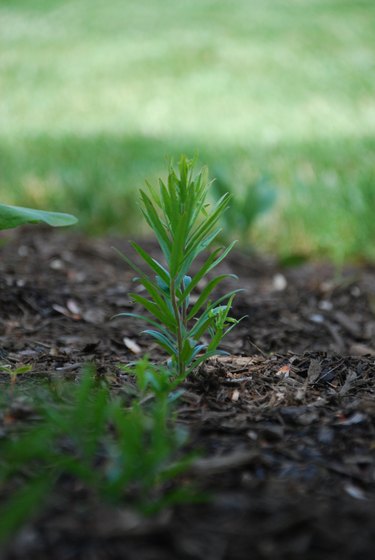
[(285, 425)]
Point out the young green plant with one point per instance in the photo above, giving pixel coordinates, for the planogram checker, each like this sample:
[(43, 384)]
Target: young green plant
[(185, 227), (14, 372), (131, 455)]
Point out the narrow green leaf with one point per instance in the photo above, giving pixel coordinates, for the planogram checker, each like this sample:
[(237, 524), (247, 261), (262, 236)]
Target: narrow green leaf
[(200, 326), (129, 262), (153, 263), (152, 288), (146, 319), (210, 264), (163, 341), (193, 252), (178, 247), (187, 350), (155, 223), (158, 295), (154, 309), (206, 293), (23, 504), (211, 220), (168, 206)]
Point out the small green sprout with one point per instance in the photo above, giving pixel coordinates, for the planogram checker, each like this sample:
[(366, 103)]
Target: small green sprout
[(14, 372), (185, 227)]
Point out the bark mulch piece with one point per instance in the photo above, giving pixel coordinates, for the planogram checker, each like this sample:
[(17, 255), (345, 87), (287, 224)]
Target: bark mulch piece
[(285, 425)]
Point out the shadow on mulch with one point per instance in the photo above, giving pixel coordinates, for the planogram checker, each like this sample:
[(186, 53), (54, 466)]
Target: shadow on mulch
[(285, 424)]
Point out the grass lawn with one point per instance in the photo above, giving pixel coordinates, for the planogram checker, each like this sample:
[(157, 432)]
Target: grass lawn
[(96, 95)]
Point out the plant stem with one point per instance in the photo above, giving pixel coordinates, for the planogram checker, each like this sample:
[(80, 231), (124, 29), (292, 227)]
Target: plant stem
[(180, 361)]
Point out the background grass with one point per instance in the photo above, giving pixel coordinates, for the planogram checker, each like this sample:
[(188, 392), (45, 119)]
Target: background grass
[(95, 95)]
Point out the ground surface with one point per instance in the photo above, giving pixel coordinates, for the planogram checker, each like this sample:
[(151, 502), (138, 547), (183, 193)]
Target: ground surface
[(285, 425)]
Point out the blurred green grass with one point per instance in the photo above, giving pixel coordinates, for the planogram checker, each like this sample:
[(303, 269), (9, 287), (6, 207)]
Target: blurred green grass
[(96, 95)]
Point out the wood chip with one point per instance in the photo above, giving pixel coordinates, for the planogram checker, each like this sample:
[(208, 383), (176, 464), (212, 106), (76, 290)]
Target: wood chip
[(349, 382), (355, 492), (348, 324), (132, 345), (361, 350), (73, 307), (215, 465), (314, 371), (235, 395)]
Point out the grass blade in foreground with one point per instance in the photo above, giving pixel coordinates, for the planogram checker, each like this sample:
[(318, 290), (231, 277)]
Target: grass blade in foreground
[(184, 227)]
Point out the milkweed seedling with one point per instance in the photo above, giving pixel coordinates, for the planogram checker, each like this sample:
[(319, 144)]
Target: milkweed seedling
[(184, 227)]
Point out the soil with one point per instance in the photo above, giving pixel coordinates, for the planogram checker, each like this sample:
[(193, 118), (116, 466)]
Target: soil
[(285, 424)]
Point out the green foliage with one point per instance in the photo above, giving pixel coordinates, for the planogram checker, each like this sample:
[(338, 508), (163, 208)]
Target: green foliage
[(153, 379), (119, 452), (301, 109), (13, 371), (184, 227), (13, 216), (23, 504), (247, 205), (339, 222), (297, 78)]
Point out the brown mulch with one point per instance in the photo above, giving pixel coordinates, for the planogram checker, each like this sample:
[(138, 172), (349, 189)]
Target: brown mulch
[(285, 425)]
